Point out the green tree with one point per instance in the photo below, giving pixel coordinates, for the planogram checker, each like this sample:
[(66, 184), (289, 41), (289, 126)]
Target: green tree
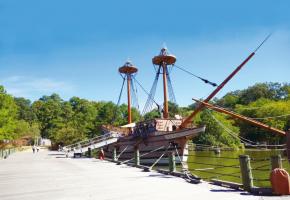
[(266, 111), (8, 114), (25, 111), (215, 134)]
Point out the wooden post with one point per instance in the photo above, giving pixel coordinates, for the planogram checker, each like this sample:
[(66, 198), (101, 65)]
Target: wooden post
[(114, 156), (172, 164), (137, 156), (276, 161), (288, 145), (246, 172), (89, 152)]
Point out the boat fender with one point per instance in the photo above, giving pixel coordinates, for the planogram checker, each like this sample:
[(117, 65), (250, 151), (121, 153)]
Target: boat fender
[(280, 181)]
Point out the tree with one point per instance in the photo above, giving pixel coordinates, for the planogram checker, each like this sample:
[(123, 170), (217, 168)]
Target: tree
[(265, 110), (173, 109), (152, 114), (8, 114), (215, 134), (84, 114), (25, 111), (48, 110)]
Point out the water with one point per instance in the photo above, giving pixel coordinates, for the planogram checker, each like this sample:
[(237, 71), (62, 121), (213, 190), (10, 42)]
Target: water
[(208, 165)]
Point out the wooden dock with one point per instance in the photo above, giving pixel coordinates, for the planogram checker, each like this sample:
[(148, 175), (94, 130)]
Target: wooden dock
[(50, 176)]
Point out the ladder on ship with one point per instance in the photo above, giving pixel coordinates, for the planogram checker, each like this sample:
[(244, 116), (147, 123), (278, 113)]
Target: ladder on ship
[(94, 143)]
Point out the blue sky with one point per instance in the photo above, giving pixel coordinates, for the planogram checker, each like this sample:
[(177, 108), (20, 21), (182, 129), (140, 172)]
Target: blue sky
[(74, 48)]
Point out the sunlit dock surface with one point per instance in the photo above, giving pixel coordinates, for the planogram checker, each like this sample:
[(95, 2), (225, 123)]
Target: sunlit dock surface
[(49, 175)]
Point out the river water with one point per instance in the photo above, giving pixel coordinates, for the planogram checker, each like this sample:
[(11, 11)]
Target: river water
[(225, 166)]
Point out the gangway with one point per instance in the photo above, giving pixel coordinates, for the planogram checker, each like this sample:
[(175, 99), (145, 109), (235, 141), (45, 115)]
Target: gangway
[(93, 143)]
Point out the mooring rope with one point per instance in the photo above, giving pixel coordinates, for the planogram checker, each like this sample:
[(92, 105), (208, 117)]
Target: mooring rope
[(122, 152), (166, 150), (143, 154)]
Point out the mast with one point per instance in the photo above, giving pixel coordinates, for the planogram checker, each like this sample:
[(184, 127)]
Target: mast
[(128, 70), (241, 117), (163, 60), (201, 106)]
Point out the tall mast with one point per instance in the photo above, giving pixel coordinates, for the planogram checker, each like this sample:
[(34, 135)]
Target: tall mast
[(128, 70), (163, 60), (199, 107)]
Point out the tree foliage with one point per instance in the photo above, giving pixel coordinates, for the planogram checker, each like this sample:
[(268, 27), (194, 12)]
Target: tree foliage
[(66, 122), (215, 134)]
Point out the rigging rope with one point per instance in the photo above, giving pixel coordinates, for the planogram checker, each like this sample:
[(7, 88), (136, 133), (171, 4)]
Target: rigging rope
[(122, 152), (170, 89), (272, 117), (255, 108), (119, 99), (150, 100), (204, 80), (160, 157), (146, 91), (143, 154), (233, 134), (133, 92)]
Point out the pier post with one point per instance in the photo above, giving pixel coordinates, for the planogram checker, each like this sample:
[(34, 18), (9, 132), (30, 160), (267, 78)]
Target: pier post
[(276, 161), (114, 156), (172, 164), (89, 152), (137, 156), (288, 144), (246, 172)]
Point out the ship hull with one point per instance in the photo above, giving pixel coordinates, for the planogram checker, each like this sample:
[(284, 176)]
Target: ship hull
[(153, 146)]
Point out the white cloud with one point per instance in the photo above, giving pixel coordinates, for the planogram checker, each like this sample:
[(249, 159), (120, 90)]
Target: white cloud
[(33, 88)]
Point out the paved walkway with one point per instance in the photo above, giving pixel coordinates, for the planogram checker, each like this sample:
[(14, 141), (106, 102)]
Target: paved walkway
[(48, 175)]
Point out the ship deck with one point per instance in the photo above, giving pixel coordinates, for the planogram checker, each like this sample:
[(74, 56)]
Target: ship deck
[(49, 175)]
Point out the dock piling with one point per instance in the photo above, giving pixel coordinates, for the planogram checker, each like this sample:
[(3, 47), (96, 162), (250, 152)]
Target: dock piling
[(89, 152), (137, 156), (172, 164), (114, 156), (276, 161), (246, 172)]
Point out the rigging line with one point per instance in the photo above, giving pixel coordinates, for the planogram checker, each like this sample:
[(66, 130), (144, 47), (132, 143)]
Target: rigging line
[(134, 96), (182, 163), (149, 101), (150, 98), (157, 149), (122, 152), (269, 117), (119, 99), (160, 157), (145, 91), (279, 116), (261, 117), (204, 80), (230, 131), (263, 42), (171, 91)]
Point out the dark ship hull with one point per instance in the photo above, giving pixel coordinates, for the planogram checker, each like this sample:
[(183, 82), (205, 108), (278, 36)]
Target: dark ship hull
[(153, 143)]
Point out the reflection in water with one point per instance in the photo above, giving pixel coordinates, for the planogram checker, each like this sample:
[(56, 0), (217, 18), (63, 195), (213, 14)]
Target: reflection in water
[(225, 165)]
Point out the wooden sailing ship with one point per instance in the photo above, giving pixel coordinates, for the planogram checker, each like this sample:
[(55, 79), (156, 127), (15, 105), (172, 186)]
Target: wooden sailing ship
[(166, 133), (156, 136)]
